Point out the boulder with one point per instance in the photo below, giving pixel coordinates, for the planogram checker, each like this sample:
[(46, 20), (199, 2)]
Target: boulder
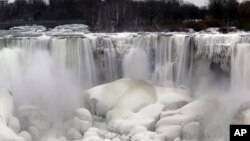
[(73, 134)]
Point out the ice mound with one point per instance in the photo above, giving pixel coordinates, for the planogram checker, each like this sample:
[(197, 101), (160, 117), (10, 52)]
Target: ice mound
[(125, 94), (175, 123), (78, 125), (33, 116), (6, 105), (28, 28), (173, 98), (9, 125), (243, 114), (143, 111), (123, 110), (125, 103), (72, 28)]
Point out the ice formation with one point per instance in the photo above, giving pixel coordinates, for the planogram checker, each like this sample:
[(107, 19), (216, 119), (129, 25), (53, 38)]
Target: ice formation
[(69, 84)]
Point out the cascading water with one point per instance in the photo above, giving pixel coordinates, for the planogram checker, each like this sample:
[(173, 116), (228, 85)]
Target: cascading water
[(241, 67), (140, 68), (171, 59), (100, 58), (78, 58)]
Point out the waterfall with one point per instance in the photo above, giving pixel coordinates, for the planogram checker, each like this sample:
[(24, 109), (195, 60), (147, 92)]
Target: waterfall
[(136, 64), (76, 54), (95, 58), (171, 59), (107, 58), (10, 65), (241, 67)]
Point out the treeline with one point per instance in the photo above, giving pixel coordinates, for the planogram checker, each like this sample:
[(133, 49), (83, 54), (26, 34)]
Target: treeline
[(129, 15)]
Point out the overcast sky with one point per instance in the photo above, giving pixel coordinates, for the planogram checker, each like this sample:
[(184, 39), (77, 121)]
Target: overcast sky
[(199, 3)]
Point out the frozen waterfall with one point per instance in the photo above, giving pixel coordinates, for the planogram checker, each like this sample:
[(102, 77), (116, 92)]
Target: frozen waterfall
[(178, 58), (135, 85)]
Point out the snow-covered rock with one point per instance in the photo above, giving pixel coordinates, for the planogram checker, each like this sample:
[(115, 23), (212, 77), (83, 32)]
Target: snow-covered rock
[(6, 117), (34, 132), (93, 138), (126, 103), (137, 130), (170, 132), (105, 97), (191, 131), (73, 134), (31, 115), (14, 124), (84, 114), (8, 134), (243, 114), (145, 136), (6, 105), (85, 125), (54, 139), (26, 136), (135, 107), (171, 98), (80, 125)]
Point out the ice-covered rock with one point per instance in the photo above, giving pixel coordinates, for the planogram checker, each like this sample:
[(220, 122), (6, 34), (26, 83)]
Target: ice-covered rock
[(26, 136), (84, 114), (173, 98), (33, 28), (102, 134), (8, 134), (137, 130), (76, 123), (73, 134), (93, 138), (177, 119), (146, 117), (34, 132), (134, 106), (6, 105), (145, 136), (31, 115), (104, 97), (80, 125), (116, 139), (72, 28), (196, 109), (191, 131), (122, 101), (243, 114), (85, 125), (170, 132), (54, 139), (6, 117), (14, 124), (177, 123), (177, 139)]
